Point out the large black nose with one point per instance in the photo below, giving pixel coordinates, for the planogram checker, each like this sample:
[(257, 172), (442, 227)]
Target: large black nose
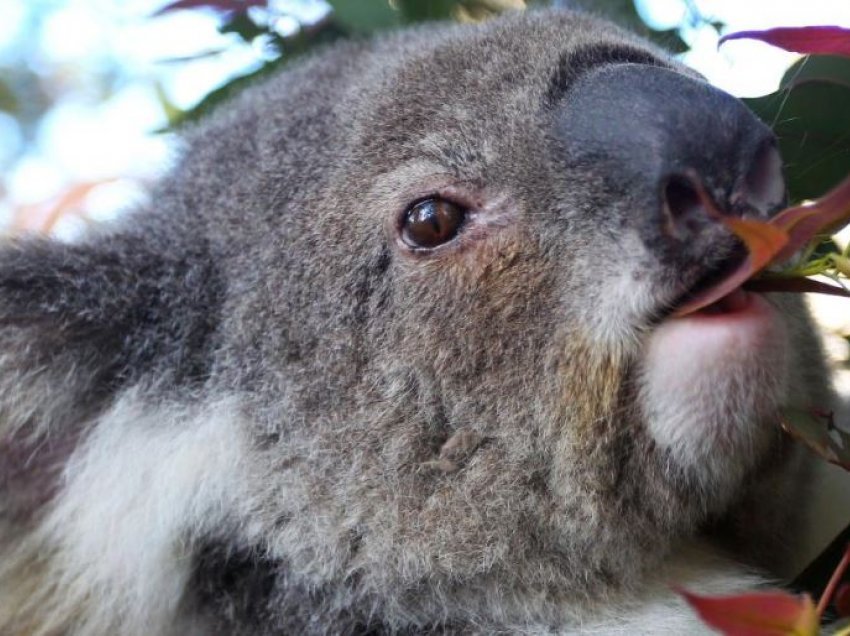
[(652, 137)]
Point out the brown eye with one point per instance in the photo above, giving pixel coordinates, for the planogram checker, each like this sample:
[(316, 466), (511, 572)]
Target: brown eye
[(431, 222)]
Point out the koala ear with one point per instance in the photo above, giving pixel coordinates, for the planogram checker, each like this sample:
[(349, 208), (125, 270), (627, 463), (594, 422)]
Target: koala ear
[(81, 322)]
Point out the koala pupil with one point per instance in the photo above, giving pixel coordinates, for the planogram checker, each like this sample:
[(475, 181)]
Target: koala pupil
[(431, 223)]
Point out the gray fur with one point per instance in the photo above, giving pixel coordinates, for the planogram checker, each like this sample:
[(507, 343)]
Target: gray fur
[(246, 410)]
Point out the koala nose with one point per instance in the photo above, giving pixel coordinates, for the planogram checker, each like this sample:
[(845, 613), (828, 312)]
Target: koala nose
[(657, 137)]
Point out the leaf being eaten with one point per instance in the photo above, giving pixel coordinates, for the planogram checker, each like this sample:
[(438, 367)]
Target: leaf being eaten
[(757, 614), (797, 230)]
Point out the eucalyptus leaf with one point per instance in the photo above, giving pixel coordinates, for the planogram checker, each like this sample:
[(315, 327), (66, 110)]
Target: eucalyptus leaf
[(812, 122), (420, 10), (8, 99), (243, 26), (832, 68), (365, 16), (819, 433)]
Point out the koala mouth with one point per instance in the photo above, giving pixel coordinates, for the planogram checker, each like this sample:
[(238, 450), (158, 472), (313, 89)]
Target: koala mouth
[(734, 301)]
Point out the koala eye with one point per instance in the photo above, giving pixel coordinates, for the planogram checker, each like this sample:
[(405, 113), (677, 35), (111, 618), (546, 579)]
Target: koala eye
[(431, 222)]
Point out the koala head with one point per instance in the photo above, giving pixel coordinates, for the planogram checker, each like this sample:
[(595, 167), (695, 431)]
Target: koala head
[(392, 348)]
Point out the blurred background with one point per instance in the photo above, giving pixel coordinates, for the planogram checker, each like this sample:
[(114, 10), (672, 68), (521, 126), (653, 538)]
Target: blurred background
[(93, 92)]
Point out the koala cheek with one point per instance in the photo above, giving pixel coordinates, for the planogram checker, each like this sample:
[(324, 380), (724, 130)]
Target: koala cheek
[(711, 385)]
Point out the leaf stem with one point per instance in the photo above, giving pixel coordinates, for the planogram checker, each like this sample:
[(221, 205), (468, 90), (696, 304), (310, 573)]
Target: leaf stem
[(834, 580)]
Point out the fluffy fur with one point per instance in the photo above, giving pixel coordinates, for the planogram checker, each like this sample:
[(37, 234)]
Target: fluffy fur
[(248, 409)]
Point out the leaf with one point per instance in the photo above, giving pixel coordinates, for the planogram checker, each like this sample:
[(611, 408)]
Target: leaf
[(172, 112), (830, 68), (769, 283), (243, 26), (218, 5), (757, 614), (219, 95), (365, 16), (812, 39), (818, 432), (8, 100), (762, 240), (777, 241), (804, 222), (812, 122), (478, 10), (420, 10), (842, 600), (44, 216), (303, 41)]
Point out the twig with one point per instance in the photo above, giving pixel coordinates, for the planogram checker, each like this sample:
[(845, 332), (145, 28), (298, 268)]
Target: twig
[(834, 580)]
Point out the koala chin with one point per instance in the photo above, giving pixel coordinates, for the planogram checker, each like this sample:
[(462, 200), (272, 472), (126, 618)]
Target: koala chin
[(393, 349), (712, 387)]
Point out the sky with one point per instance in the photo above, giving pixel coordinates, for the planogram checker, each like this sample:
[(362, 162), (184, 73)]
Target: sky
[(89, 137)]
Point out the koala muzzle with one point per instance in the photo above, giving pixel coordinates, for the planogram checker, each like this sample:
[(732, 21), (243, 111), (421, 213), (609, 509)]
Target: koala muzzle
[(660, 136)]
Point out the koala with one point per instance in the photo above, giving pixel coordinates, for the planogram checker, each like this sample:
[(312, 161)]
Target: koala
[(393, 350)]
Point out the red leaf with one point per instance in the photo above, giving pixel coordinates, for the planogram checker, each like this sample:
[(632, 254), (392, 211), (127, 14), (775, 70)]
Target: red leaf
[(774, 242), (842, 600), (43, 216), (746, 270), (804, 222), (219, 5), (757, 614), (821, 40), (763, 242)]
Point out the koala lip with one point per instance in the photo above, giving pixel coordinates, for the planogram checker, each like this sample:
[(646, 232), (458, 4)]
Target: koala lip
[(736, 301), (711, 375), (740, 323), (709, 278)]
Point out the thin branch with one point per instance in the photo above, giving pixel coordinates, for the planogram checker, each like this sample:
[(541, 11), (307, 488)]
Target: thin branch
[(834, 580)]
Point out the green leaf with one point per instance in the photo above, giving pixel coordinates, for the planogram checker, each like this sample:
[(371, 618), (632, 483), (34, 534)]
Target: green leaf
[(817, 431), (832, 68), (221, 94), (421, 10), (8, 100), (812, 122), (172, 112), (292, 47), (824, 248), (243, 26), (669, 40), (365, 16)]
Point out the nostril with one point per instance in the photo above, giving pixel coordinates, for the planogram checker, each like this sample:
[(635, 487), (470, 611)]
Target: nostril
[(683, 207), (764, 185)]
